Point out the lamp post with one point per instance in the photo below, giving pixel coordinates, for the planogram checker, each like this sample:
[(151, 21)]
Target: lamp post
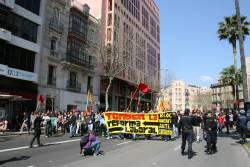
[(242, 56)]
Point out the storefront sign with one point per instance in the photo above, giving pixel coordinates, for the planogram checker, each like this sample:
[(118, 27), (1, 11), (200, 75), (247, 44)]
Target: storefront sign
[(139, 123), (18, 74)]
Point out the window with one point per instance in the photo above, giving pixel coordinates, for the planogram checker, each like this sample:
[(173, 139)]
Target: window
[(16, 57), (31, 5), (110, 5), (50, 104), (18, 26), (90, 83), (72, 78), (52, 75), (53, 44), (109, 19), (109, 35)]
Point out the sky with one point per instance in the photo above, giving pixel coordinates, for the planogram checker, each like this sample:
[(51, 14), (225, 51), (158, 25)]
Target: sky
[(190, 48)]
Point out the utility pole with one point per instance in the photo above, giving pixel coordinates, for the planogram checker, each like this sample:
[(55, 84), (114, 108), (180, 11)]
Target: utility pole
[(242, 56)]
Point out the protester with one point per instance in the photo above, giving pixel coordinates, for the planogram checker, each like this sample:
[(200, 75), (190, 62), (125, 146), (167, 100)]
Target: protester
[(242, 126), (25, 124), (197, 126), (3, 125), (211, 128), (227, 122), (186, 125), (221, 122), (37, 130), (72, 124), (174, 121), (78, 122), (47, 124), (90, 143)]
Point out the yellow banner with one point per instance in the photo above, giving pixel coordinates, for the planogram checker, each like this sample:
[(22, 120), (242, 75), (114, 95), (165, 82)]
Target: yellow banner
[(139, 123)]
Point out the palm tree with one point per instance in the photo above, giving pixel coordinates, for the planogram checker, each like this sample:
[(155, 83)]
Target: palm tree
[(228, 30), (227, 77)]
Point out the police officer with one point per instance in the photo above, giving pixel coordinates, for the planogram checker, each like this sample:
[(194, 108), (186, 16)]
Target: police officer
[(186, 125), (242, 126), (211, 129), (37, 130)]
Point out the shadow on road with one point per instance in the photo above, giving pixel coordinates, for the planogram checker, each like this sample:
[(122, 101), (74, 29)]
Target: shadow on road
[(14, 159)]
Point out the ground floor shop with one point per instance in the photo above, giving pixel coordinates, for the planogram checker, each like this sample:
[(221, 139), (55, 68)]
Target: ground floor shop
[(60, 100), (16, 97)]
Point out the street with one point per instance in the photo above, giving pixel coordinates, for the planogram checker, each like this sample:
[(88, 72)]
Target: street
[(64, 152)]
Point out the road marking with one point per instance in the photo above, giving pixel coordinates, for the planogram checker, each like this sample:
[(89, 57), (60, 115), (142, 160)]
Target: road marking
[(46, 144), (123, 143), (177, 148)]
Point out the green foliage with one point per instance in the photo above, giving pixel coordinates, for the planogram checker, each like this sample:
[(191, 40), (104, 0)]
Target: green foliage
[(227, 76), (228, 29)]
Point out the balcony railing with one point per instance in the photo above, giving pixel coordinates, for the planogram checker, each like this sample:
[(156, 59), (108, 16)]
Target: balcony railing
[(75, 59), (73, 86), (56, 25)]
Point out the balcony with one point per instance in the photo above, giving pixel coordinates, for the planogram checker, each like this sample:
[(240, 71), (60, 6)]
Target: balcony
[(8, 3), (74, 59), (73, 86), (56, 25), (5, 35)]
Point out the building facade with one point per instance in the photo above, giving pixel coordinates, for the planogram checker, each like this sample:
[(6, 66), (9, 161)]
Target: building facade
[(181, 96), (67, 69), (20, 44), (133, 28), (223, 98)]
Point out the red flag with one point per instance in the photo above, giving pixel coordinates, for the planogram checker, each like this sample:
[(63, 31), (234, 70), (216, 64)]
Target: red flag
[(143, 88), (41, 99)]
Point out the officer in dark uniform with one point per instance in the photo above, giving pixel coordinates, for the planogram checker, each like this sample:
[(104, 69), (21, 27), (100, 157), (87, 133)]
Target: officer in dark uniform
[(37, 130), (211, 129), (241, 123), (186, 125)]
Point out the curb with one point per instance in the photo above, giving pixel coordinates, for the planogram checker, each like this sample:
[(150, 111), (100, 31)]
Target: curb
[(247, 150)]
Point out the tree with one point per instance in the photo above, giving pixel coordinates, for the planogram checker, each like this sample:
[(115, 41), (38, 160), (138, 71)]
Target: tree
[(112, 63), (228, 76), (204, 100), (228, 30)]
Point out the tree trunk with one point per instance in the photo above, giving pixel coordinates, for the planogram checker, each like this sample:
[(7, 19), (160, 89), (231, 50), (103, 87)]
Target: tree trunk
[(107, 93), (242, 53), (236, 92)]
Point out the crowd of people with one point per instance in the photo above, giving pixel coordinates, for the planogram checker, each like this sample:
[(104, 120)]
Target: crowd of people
[(194, 126), (211, 124)]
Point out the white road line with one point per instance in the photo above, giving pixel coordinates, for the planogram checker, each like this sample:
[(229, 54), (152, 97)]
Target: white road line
[(25, 147), (124, 143), (177, 148)]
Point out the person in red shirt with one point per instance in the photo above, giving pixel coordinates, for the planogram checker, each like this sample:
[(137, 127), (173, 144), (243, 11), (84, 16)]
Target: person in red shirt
[(221, 121)]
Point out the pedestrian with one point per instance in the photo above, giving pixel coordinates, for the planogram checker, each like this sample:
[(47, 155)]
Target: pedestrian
[(197, 126), (242, 126), (186, 125), (72, 124), (221, 122), (211, 128), (47, 124), (93, 144), (231, 120), (37, 130), (25, 123), (227, 122), (174, 121), (78, 122)]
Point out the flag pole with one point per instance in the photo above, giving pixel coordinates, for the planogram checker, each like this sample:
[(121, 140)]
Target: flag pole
[(131, 99)]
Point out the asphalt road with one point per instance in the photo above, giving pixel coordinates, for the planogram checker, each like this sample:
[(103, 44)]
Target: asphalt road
[(122, 153)]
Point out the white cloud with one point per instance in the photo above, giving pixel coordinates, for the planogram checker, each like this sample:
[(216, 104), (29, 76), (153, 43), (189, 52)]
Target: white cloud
[(205, 78)]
